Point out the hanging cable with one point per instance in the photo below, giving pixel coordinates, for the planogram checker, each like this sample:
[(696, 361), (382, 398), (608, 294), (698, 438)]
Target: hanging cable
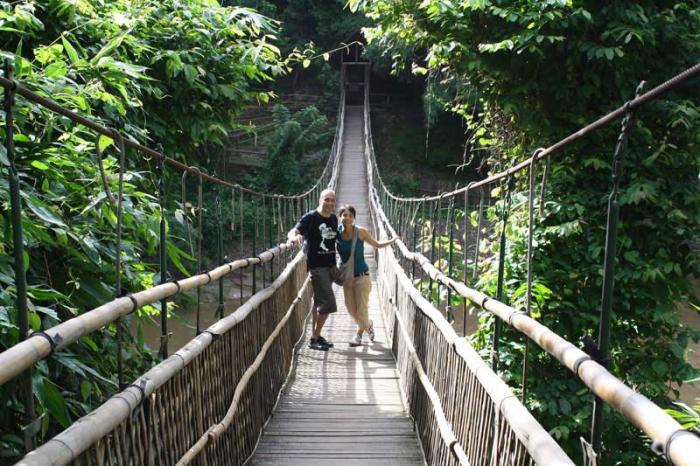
[(530, 229), (118, 292)]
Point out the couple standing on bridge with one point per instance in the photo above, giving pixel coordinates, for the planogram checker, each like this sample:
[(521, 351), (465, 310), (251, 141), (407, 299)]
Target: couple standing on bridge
[(322, 238)]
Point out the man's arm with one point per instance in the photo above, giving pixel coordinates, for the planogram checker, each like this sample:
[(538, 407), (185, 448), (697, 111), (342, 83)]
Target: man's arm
[(294, 236)]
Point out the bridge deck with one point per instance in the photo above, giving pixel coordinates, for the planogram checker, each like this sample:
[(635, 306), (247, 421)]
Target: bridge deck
[(343, 406)]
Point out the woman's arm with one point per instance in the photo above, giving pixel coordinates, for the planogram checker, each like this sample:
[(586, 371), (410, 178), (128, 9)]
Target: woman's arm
[(366, 236)]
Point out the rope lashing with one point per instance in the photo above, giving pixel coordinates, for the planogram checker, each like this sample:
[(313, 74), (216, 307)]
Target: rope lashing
[(578, 362), (671, 438), (141, 387), (53, 341), (590, 347)]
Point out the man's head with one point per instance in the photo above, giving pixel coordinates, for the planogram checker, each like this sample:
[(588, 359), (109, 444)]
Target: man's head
[(326, 202)]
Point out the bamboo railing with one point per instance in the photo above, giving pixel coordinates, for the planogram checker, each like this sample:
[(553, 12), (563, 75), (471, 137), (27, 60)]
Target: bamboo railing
[(464, 413), (244, 357), (163, 413)]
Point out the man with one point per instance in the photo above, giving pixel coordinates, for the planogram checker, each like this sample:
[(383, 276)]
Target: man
[(319, 229)]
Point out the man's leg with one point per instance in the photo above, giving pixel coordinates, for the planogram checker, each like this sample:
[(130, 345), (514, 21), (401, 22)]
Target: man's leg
[(324, 304), (314, 321), (318, 324)]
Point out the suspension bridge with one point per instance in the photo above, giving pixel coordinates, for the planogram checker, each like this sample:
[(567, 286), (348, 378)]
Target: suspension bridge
[(248, 390)]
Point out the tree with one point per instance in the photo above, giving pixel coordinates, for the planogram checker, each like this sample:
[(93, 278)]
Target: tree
[(295, 136)]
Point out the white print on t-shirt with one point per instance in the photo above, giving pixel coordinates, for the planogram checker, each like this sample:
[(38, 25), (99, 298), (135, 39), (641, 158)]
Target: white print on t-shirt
[(326, 233)]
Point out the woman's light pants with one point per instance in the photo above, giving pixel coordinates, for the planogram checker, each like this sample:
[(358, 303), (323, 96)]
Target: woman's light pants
[(357, 301)]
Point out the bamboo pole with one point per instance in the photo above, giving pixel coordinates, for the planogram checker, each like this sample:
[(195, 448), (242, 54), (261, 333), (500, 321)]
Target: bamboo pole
[(531, 434), (86, 431), (23, 355)]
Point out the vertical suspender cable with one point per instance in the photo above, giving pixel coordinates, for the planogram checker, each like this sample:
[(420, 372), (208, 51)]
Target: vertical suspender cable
[(465, 260), (200, 218), (528, 297), (118, 254), (262, 239), (609, 263), (220, 253), (18, 253), (240, 244), (480, 214), (163, 256), (450, 220), (501, 272), (255, 235)]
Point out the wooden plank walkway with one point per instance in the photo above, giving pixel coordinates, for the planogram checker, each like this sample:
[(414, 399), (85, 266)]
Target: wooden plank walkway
[(344, 406)]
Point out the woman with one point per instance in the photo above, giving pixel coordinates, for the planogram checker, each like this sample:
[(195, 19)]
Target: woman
[(357, 294)]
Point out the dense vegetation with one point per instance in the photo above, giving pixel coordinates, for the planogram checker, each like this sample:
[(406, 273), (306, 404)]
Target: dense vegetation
[(525, 74), (170, 74), (520, 74), (295, 136)]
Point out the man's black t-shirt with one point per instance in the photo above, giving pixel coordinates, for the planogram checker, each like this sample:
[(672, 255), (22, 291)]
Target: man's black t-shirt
[(319, 233)]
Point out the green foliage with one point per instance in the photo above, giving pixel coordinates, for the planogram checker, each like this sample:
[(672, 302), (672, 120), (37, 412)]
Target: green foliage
[(687, 416), (326, 22), (295, 136), (525, 74), (168, 73)]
